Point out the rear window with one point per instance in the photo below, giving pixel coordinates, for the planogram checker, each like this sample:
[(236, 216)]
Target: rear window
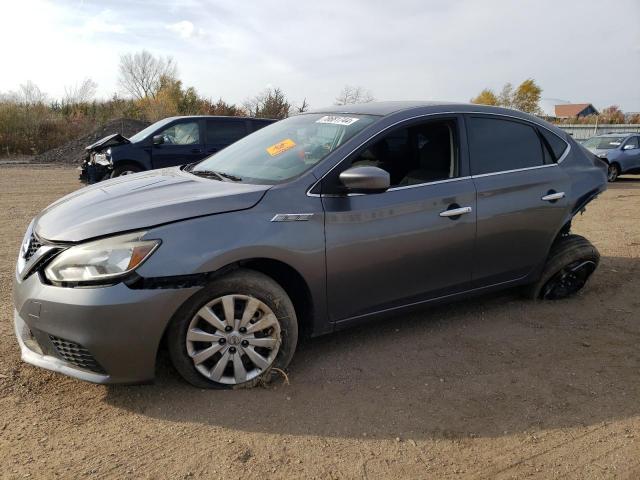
[(498, 145), (221, 131), (555, 143)]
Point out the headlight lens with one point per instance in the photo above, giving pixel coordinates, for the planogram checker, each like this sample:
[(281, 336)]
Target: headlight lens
[(602, 155), (102, 260)]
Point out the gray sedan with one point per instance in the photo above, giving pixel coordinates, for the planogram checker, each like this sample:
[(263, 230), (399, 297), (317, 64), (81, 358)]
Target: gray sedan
[(310, 225)]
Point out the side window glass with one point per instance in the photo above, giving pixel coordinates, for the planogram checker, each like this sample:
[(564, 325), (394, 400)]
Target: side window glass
[(257, 125), (225, 132), (414, 155), (633, 141), (555, 143), (498, 145), (182, 134)]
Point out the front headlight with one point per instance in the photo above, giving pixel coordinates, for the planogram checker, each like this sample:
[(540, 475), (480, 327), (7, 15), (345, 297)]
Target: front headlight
[(101, 260), (602, 155), (102, 159)]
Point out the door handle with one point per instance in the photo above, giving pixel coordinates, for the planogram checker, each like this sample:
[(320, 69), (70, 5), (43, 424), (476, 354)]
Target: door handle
[(455, 212), (196, 150), (552, 197)]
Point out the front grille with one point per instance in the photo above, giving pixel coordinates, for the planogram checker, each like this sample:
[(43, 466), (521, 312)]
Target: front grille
[(34, 245), (76, 354)]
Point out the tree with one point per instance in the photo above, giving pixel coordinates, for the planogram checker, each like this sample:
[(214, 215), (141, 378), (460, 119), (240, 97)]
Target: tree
[(30, 94), (304, 106), (141, 73), (82, 93), (527, 96), (505, 99), (486, 97), (271, 103), (611, 114), (351, 94), (222, 108)]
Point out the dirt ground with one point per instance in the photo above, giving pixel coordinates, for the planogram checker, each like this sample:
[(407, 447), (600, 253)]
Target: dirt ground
[(494, 387)]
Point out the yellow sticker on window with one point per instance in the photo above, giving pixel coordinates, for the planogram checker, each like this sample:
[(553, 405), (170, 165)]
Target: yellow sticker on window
[(281, 147)]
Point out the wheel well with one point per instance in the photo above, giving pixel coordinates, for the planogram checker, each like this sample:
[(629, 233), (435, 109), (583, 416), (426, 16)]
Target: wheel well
[(293, 283), (122, 163)]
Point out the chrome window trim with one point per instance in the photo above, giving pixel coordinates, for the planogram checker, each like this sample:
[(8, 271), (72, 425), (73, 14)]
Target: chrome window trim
[(502, 172), (435, 182), (529, 122)]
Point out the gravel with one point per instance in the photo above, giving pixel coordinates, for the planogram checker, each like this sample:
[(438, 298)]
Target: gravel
[(73, 152)]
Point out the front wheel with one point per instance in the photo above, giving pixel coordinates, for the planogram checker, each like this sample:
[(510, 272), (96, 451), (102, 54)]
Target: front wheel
[(233, 332), (612, 172), (570, 264), (126, 169)]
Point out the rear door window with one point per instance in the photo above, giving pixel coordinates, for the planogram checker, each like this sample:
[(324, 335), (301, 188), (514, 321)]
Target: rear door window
[(225, 132), (498, 145), (555, 143)]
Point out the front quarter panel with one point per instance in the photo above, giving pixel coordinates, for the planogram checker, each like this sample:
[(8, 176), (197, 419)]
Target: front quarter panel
[(139, 153), (207, 244)]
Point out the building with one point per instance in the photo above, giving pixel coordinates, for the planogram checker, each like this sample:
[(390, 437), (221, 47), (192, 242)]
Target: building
[(575, 110)]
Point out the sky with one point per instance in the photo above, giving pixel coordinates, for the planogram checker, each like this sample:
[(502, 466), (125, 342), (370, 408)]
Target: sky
[(576, 50)]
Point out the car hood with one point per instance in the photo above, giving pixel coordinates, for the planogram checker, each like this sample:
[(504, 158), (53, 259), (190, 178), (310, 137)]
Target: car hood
[(141, 201), (599, 151), (108, 141)]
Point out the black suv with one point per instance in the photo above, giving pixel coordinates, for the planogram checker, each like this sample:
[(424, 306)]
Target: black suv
[(166, 143)]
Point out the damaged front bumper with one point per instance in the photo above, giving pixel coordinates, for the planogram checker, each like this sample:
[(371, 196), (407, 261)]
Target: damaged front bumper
[(96, 167)]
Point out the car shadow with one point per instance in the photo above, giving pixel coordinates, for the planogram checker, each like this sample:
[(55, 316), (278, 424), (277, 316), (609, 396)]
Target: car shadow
[(487, 366)]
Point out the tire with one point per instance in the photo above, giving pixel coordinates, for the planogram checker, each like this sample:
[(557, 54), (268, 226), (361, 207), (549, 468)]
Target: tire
[(571, 262), (613, 172), (125, 169), (209, 353)]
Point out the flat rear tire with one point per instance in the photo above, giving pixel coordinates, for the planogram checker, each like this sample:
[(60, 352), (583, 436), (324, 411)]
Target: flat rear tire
[(571, 262)]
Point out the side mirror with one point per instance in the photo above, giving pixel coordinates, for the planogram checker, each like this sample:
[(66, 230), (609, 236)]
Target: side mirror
[(628, 147), (158, 139), (365, 179)]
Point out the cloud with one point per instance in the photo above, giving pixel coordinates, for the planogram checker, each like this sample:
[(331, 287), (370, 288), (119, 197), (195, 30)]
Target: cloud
[(185, 28), (104, 22)]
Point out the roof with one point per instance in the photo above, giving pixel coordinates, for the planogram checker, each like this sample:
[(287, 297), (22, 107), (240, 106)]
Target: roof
[(381, 108), (571, 109)]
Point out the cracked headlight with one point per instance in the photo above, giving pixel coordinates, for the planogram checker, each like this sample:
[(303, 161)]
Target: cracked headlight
[(101, 260)]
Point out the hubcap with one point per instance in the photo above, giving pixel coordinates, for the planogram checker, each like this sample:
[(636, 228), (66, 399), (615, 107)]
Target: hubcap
[(233, 339), (613, 173)]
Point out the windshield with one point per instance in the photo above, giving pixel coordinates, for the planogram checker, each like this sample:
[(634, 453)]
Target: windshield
[(285, 149), (603, 143), (142, 134)]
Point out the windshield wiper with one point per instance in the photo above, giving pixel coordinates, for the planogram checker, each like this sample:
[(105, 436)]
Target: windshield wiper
[(235, 178), (207, 174), (215, 174)]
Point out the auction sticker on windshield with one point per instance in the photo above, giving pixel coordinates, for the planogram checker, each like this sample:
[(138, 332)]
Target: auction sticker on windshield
[(281, 147), (336, 120)]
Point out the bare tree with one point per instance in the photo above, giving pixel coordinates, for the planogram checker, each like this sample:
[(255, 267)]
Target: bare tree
[(304, 106), (31, 94), (83, 93), (354, 94), (141, 73)]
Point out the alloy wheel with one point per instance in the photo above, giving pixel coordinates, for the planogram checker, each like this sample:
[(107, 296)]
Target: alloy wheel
[(233, 339), (612, 173)]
